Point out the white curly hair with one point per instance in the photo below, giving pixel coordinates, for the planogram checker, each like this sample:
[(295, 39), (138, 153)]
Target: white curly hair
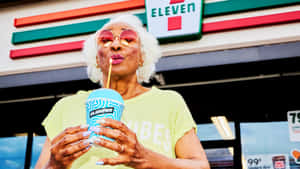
[(149, 47)]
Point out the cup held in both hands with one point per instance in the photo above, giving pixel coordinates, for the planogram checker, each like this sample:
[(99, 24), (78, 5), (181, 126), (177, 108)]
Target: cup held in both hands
[(102, 103)]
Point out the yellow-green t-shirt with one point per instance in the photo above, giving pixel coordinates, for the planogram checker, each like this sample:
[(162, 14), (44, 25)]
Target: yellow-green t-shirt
[(158, 117)]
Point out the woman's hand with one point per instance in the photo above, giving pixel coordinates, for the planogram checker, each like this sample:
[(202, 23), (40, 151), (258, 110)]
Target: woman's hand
[(131, 152), (135, 155), (68, 146)]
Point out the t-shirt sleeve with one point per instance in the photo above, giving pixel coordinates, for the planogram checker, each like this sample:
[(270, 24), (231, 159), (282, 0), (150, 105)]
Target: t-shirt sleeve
[(53, 122), (183, 120)]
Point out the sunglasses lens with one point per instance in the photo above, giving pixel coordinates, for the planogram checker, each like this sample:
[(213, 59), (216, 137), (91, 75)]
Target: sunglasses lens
[(105, 37), (128, 36)]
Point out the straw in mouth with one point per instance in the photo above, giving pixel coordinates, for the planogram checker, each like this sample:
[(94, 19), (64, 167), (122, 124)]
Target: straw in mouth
[(109, 73)]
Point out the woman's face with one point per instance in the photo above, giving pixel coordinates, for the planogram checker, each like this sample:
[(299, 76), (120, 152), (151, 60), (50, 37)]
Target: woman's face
[(120, 43)]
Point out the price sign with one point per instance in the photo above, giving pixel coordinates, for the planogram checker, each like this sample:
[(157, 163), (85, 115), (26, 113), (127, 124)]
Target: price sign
[(259, 161), (267, 161), (254, 162), (294, 125)]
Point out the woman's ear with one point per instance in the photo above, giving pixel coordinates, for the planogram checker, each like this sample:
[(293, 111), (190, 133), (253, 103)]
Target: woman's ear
[(141, 60)]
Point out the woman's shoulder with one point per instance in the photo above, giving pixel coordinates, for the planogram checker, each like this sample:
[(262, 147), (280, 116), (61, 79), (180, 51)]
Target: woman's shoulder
[(167, 93)]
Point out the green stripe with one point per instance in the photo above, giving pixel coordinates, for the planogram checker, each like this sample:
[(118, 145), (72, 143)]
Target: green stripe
[(210, 9), (63, 31), (57, 31)]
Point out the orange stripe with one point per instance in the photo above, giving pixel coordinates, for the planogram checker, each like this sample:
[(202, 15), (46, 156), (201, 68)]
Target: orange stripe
[(81, 12)]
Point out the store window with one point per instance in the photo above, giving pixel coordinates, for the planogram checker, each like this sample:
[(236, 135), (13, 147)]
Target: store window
[(218, 131), (267, 145), (220, 158), (12, 152), (37, 146)]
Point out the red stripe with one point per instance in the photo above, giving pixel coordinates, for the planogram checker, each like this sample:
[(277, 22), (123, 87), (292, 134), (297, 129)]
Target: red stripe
[(251, 21), (49, 49), (176, 1), (207, 27), (81, 12)]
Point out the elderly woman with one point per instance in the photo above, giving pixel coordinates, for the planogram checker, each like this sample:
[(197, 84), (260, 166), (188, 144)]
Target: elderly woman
[(156, 129)]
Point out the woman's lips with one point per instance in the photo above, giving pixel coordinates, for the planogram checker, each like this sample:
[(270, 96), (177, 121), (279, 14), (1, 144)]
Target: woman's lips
[(117, 59)]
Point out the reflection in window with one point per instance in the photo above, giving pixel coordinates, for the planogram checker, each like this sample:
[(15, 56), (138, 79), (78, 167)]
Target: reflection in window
[(220, 129), (268, 145), (12, 152), (220, 158)]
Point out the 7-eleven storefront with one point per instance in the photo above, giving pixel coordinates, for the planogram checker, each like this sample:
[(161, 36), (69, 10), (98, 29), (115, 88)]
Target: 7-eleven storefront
[(239, 80)]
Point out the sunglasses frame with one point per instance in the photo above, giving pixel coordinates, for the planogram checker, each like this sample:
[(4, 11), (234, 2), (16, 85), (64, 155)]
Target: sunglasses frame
[(123, 41)]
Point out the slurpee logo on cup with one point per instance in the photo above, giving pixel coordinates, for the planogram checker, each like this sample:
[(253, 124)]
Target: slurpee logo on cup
[(103, 103)]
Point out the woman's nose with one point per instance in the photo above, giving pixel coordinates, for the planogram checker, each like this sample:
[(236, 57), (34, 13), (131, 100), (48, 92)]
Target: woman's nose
[(116, 45)]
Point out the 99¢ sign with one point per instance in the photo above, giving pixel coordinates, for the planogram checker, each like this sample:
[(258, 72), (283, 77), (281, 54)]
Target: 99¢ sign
[(294, 125), (253, 162), (258, 161)]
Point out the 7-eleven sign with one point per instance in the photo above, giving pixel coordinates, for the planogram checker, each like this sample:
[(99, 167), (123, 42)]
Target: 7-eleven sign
[(173, 20)]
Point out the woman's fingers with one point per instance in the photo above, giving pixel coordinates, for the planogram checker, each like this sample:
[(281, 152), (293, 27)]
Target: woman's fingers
[(73, 148), (66, 154), (69, 159), (115, 134), (113, 161), (112, 145), (69, 139), (69, 145), (115, 124), (126, 143), (116, 130), (70, 130)]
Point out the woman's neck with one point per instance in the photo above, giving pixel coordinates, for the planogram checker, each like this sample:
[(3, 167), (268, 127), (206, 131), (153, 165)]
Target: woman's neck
[(127, 87)]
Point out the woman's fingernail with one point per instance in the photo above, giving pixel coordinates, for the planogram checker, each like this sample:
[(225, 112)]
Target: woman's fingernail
[(87, 133), (86, 142), (97, 140), (101, 121), (99, 163), (84, 126), (95, 129), (91, 140), (88, 147)]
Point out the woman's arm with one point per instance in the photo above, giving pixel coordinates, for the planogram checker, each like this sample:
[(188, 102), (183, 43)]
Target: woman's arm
[(189, 152), (45, 155)]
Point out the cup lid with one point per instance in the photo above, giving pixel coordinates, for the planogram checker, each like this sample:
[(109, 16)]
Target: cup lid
[(105, 93)]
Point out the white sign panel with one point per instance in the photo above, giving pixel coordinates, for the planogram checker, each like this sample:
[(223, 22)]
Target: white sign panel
[(171, 18), (268, 161), (294, 125)]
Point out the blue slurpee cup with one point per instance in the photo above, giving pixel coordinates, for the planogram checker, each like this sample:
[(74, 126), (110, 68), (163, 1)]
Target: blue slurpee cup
[(103, 103)]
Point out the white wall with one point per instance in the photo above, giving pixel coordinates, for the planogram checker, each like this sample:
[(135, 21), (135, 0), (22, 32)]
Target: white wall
[(209, 42)]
